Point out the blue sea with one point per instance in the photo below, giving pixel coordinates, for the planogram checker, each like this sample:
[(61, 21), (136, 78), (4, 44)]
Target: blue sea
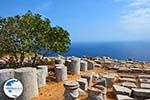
[(137, 50)]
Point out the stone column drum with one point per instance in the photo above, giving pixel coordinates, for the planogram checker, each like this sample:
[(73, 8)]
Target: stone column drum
[(91, 65), (5, 74), (95, 94), (44, 68), (71, 90), (89, 79), (68, 64), (61, 73), (41, 78), (84, 65), (110, 79), (59, 61), (28, 78), (75, 66)]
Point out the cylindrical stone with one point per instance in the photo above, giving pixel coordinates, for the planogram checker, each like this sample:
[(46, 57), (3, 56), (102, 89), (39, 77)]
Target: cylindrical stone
[(91, 65), (110, 79), (89, 79), (5, 74), (61, 73), (71, 90), (95, 94), (84, 66), (44, 68), (41, 78), (59, 61), (28, 78), (75, 66), (68, 64)]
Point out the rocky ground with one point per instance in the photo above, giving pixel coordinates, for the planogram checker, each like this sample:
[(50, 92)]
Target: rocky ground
[(126, 75)]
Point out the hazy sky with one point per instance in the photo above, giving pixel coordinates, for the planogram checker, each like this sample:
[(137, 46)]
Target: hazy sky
[(90, 20)]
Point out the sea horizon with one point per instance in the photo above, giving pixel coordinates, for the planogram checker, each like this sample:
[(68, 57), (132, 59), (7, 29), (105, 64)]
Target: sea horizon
[(136, 50)]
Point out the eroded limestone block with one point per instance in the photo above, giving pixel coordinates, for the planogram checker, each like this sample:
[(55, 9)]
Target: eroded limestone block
[(127, 76), (110, 79), (123, 97), (144, 76), (121, 90), (140, 94), (83, 83), (89, 79), (145, 85), (136, 70), (95, 94), (102, 82), (127, 80), (129, 84)]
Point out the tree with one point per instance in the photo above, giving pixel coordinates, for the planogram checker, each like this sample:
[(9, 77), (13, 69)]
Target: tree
[(31, 34)]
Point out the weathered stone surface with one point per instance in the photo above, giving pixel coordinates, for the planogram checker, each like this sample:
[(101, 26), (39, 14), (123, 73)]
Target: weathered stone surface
[(41, 78), (110, 79), (124, 70), (59, 61), (128, 84), (102, 82), (95, 76), (71, 90), (115, 67), (127, 76), (144, 76), (146, 70), (89, 79), (140, 94), (98, 65), (59, 65), (91, 65), (136, 70), (123, 97), (75, 65), (44, 68), (121, 90), (95, 94), (127, 80), (5, 74), (28, 77), (81, 92), (144, 80), (84, 65), (107, 64), (68, 64), (145, 85), (83, 83), (61, 73), (102, 88)]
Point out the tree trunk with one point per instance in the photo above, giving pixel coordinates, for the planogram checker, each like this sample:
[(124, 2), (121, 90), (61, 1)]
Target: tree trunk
[(22, 57), (35, 56)]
